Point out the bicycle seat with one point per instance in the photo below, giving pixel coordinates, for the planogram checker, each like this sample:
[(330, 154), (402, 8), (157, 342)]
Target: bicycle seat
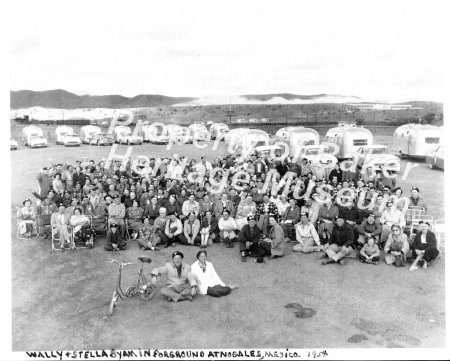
[(145, 259)]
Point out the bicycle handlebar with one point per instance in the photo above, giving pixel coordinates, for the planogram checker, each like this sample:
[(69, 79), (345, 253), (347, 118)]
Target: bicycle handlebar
[(123, 264)]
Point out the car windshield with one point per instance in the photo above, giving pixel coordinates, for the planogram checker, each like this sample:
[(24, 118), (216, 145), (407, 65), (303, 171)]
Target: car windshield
[(72, 135), (314, 151), (379, 151), (126, 134), (36, 137)]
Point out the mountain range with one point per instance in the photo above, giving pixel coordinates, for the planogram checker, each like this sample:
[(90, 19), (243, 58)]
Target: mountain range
[(62, 99)]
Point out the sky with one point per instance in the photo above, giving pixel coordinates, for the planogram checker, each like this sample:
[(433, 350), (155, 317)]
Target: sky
[(377, 50)]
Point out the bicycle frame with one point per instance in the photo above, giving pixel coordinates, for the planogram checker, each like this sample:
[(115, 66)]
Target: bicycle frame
[(142, 287)]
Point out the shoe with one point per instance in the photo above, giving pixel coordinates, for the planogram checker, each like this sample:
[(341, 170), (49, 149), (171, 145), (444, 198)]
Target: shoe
[(323, 256), (328, 261), (342, 262), (413, 268), (189, 298), (63, 249), (425, 265), (233, 287), (243, 258), (231, 245)]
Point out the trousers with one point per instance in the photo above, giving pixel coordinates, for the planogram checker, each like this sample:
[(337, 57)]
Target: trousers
[(336, 253), (218, 291), (176, 292)]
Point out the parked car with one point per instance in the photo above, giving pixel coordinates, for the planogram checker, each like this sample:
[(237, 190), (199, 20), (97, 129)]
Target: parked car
[(101, 139), (13, 143), (436, 158), (37, 141), (379, 156), (71, 140)]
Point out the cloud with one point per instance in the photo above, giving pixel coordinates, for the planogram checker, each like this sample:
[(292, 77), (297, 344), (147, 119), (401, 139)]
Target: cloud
[(203, 48)]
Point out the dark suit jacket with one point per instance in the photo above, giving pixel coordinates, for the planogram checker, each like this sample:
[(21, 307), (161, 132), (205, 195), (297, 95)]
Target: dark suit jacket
[(214, 225), (245, 235), (79, 178), (430, 238)]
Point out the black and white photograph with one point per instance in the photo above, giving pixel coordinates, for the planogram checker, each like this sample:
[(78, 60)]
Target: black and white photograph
[(225, 179)]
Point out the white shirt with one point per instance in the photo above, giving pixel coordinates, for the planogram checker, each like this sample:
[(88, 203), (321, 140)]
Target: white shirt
[(306, 231), (206, 279)]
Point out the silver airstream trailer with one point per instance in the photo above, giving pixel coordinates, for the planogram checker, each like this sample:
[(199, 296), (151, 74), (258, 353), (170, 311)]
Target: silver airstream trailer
[(302, 137), (284, 134), (233, 133), (349, 138), (249, 139), (61, 131), (197, 131), (154, 133), (416, 140), (87, 132), (219, 130)]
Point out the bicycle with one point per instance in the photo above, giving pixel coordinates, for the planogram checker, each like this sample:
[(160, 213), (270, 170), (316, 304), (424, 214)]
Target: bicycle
[(143, 287)]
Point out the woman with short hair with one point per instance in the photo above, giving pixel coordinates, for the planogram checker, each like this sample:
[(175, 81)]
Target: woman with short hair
[(397, 247), (81, 224), (26, 217)]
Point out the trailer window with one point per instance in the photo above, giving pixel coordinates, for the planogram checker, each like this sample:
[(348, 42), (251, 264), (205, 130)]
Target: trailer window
[(432, 140), (357, 142)]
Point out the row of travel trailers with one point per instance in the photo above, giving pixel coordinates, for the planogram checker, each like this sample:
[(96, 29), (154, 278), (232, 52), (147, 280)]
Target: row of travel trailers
[(414, 140)]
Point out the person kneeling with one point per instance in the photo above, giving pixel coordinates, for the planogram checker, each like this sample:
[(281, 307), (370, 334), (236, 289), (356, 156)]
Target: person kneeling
[(180, 284), (370, 253), (208, 281), (114, 240)]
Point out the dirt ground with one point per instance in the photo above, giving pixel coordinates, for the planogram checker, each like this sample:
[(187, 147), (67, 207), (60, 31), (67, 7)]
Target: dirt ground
[(59, 300)]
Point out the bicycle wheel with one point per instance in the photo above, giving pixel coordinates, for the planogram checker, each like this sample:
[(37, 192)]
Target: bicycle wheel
[(113, 304), (147, 292), (131, 291)]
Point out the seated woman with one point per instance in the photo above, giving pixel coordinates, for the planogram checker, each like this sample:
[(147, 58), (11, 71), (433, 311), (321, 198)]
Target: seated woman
[(134, 214), (148, 236), (209, 230), (306, 235), (245, 208), (274, 243), (424, 248), (81, 224), (397, 247), (370, 253), (26, 217), (208, 281)]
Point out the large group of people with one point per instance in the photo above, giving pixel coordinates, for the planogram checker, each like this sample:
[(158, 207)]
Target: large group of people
[(341, 213)]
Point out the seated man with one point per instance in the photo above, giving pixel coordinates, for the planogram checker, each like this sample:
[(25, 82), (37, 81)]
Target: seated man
[(306, 235), (114, 240), (227, 227), (370, 227), (44, 212), (249, 236), (191, 231), (340, 243), (424, 248), (116, 214), (172, 232), (180, 284), (60, 222), (290, 218)]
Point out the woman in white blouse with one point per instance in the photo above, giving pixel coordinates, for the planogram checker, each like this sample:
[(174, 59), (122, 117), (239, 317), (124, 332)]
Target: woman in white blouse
[(390, 216), (208, 281)]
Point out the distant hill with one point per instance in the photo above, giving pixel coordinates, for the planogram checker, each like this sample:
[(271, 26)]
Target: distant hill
[(63, 99)]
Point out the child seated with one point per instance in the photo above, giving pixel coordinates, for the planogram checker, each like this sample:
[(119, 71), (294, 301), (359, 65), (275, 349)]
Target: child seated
[(370, 253)]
